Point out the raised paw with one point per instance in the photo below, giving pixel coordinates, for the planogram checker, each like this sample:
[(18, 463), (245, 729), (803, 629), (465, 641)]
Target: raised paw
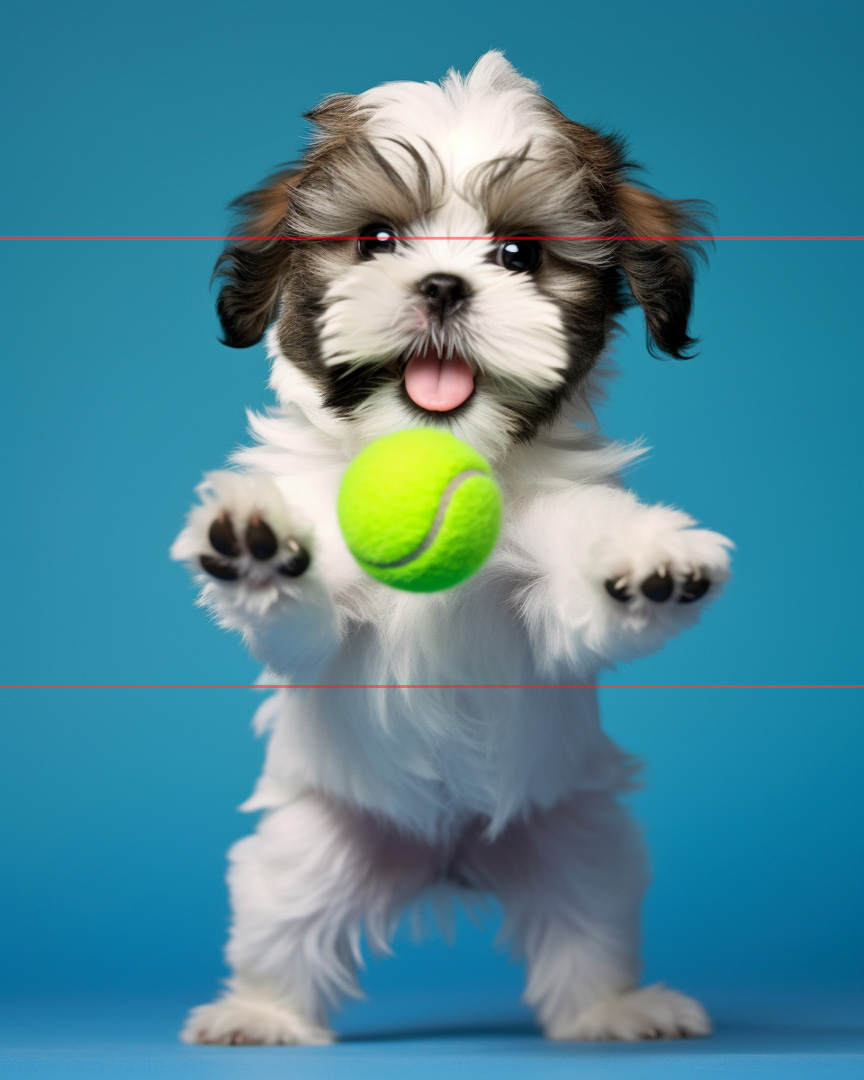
[(659, 566), (255, 554), (650, 579), (250, 548), (664, 583)]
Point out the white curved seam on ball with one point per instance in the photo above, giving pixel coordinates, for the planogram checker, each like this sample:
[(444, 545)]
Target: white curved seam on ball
[(430, 537)]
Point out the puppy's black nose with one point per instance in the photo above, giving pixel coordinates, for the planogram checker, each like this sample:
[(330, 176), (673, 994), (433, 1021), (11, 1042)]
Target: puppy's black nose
[(444, 293)]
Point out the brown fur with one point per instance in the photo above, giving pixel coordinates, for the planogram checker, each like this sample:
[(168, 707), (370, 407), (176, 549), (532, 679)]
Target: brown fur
[(650, 248), (648, 216)]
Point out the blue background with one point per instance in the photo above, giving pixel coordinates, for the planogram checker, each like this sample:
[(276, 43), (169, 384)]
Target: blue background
[(117, 806)]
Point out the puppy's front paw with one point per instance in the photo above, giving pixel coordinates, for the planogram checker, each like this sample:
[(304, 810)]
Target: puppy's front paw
[(255, 554), (253, 550), (664, 563), (651, 580), (662, 585)]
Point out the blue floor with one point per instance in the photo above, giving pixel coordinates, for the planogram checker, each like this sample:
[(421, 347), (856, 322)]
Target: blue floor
[(760, 1035)]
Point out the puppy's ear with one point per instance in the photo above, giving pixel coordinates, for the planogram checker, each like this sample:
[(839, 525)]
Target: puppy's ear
[(666, 238), (254, 263)]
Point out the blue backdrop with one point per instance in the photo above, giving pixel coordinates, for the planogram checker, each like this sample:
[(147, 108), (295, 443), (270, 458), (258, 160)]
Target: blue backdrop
[(147, 120)]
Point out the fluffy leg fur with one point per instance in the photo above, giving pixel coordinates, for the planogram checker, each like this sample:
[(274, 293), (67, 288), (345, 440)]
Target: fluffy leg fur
[(571, 880), (302, 887)]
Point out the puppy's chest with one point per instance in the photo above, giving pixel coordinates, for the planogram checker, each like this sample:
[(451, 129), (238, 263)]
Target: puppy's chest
[(461, 716), (470, 635)]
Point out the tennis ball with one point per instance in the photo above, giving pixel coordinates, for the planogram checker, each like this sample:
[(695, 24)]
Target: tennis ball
[(419, 510)]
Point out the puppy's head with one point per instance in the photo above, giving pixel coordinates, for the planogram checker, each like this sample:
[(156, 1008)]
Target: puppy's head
[(420, 268)]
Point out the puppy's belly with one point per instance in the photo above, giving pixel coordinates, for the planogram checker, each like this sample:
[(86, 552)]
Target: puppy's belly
[(431, 754), (431, 759)]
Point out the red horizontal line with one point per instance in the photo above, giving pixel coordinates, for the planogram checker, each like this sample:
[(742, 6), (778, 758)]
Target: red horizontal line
[(432, 686), (334, 237)]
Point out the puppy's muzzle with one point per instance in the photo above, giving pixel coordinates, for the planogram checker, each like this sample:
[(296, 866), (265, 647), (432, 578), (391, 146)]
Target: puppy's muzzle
[(444, 294)]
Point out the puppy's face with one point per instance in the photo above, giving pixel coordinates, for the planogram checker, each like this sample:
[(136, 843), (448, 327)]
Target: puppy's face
[(405, 275)]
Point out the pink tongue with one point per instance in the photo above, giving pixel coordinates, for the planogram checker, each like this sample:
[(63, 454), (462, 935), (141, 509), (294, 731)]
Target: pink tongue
[(438, 384)]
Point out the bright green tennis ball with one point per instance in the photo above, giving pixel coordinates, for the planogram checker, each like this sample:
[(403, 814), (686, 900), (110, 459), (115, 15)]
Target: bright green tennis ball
[(419, 510)]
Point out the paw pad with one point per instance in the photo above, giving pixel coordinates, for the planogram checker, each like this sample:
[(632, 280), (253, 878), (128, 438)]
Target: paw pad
[(693, 588), (259, 542), (661, 586), (219, 568), (223, 537)]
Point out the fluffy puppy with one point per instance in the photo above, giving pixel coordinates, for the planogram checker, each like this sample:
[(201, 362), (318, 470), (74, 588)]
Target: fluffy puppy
[(447, 312)]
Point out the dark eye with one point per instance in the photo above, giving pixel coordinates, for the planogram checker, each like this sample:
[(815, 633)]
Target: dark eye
[(376, 240), (520, 256)]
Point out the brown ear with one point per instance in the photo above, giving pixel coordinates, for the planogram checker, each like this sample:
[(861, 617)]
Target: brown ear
[(253, 265), (664, 238)]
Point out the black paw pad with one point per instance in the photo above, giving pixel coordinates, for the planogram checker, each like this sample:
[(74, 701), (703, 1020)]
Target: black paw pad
[(297, 561), (659, 586), (218, 568), (223, 538), (261, 540), (693, 587), (618, 590)]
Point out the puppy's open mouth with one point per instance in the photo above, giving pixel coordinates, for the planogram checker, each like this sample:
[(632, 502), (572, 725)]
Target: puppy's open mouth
[(438, 383)]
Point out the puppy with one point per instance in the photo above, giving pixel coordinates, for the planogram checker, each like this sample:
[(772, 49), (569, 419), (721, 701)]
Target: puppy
[(398, 275)]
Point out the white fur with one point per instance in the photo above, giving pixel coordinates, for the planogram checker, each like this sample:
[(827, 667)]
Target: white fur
[(250, 1014), (372, 798), (650, 1013), (511, 333)]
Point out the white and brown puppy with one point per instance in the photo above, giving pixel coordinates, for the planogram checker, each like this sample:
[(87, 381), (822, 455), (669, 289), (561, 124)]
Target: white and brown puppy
[(375, 798)]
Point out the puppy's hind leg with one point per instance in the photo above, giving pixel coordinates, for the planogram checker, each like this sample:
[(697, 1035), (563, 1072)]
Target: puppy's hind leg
[(302, 887), (571, 881)]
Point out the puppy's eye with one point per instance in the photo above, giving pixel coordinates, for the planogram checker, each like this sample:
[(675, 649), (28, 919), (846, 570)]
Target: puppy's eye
[(520, 256), (376, 240)]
